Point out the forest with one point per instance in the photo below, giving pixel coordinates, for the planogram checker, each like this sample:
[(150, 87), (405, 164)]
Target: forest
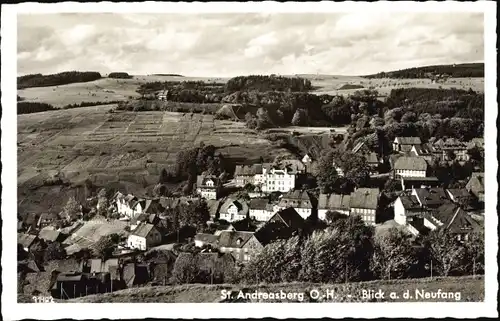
[(62, 78), (456, 71)]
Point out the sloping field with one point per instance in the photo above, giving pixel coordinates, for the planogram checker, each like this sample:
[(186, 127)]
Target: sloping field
[(325, 84), (102, 90), (93, 230), (126, 149), (470, 289)]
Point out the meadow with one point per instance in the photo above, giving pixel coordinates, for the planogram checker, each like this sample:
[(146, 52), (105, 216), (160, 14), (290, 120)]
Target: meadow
[(471, 289)]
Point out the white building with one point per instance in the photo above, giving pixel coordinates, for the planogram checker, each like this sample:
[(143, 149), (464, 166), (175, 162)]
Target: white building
[(406, 208), (207, 186), (144, 237), (410, 167), (233, 210), (268, 177), (404, 144), (261, 210)]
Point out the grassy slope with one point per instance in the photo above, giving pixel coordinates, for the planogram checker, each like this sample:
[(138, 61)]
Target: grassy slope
[(126, 149), (471, 289)]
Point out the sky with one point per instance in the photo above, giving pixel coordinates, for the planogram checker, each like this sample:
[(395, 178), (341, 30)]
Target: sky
[(227, 45)]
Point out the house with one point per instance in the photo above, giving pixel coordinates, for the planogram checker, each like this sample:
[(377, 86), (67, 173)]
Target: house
[(299, 200), (125, 204), (373, 161), (404, 144), (261, 209), (423, 151), (282, 225), (147, 206), (475, 185), (47, 219), (430, 198), (135, 274), (144, 237), (407, 183), (410, 167), (334, 203), (451, 149), (208, 186), (269, 177), (364, 202), (202, 239), (233, 210), (99, 265), (27, 240), (454, 220), (242, 245), (162, 95), (49, 234), (459, 196), (406, 208)]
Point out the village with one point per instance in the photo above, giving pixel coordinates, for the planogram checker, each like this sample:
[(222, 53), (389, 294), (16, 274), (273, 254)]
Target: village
[(132, 240)]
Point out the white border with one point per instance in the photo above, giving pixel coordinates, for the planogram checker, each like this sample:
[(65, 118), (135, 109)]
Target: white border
[(11, 310)]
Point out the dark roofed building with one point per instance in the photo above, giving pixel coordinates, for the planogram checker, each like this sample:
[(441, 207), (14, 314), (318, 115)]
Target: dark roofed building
[(282, 225), (144, 236), (333, 202), (453, 219), (49, 234), (475, 185), (364, 202), (233, 210), (460, 196), (202, 239), (430, 197), (404, 144), (242, 245), (410, 167), (299, 200), (406, 208)]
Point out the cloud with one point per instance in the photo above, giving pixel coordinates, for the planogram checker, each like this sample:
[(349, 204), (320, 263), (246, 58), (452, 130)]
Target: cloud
[(251, 43)]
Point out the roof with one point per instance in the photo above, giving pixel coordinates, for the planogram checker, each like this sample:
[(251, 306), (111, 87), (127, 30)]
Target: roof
[(411, 163), (289, 217), (28, 266), (334, 201), (430, 197), (49, 234), (421, 150), (372, 158), (69, 276), (241, 205), (458, 192), (476, 183), (48, 216), (169, 202), (143, 230), (234, 239), (455, 219), (67, 265), (365, 198), (410, 202), (408, 140), (259, 203), (26, 240), (213, 207), (206, 238), (150, 206), (294, 165), (73, 249), (135, 274), (296, 198), (98, 266)]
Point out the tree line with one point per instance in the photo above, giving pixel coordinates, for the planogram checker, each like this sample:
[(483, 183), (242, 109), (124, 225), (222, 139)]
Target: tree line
[(348, 250), (268, 83), (119, 75), (62, 78), (457, 71)]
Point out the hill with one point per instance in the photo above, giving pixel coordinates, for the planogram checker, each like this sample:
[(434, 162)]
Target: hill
[(62, 78), (456, 71), (470, 289)]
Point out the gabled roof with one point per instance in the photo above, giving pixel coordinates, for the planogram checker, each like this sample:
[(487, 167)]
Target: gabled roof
[(289, 217), (411, 163), (241, 205), (476, 183), (408, 140), (48, 234), (372, 158), (281, 225), (259, 203), (143, 230), (234, 239), (213, 207), (458, 192), (365, 198), (334, 201), (410, 202), (421, 150), (26, 240), (296, 198), (430, 197), (455, 219)]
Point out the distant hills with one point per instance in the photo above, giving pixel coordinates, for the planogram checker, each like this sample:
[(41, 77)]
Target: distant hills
[(468, 70)]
